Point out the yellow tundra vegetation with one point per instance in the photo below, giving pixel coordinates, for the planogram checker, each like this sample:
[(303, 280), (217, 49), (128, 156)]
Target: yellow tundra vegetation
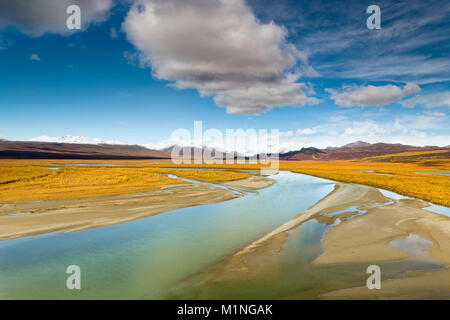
[(395, 172), (398, 177), (207, 175), (28, 182), (423, 157)]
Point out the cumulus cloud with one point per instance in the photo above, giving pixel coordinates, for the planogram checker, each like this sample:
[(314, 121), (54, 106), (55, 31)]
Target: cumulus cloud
[(40, 16), (35, 57), (371, 95), (221, 49), (441, 99)]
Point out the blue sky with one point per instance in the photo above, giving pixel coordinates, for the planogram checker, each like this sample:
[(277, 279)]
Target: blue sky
[(140, 69)]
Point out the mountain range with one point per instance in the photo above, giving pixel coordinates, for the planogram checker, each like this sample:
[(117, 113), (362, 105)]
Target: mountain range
[(79, 149), (56, 150), (358, 149)]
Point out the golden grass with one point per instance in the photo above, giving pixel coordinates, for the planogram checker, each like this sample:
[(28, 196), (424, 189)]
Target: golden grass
[(398, 177), (27, 180), (30, 182), (207, 175), (417, 156)]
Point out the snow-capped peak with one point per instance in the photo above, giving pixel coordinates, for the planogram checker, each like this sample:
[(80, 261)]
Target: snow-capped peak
[(76, 139)]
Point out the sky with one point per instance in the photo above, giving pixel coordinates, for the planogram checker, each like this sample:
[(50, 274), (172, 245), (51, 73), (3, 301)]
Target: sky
[(139, 69)]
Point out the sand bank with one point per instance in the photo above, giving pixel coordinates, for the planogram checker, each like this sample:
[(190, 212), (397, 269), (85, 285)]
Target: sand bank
[(358, 238), (413, 285), (79, 214), (364, 238), (252, 183)]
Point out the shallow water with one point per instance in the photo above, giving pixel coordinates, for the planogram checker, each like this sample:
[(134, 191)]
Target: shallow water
[(235, 190), (349, 209), (19, 213), (415, 246), (373, 171), (438, 209), (432, 207)]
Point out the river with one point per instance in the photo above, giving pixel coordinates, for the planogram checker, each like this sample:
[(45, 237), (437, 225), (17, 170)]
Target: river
[(147, 258)]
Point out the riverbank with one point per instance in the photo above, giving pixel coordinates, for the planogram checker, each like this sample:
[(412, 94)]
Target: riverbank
[(360, 234), (25, 218)]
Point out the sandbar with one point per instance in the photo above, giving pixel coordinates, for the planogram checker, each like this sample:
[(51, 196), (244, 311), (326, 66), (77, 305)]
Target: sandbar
[(357, 238), (70, 215)]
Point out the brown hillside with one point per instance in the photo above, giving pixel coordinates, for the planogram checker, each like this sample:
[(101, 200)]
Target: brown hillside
[(51, 150), (352, 151)]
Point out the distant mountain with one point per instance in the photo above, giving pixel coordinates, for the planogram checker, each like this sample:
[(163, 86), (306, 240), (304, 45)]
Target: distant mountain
[(52, 150), (3, 139), (302, 154), (354, 150), (357, 144), (75, 139), (102, 150)]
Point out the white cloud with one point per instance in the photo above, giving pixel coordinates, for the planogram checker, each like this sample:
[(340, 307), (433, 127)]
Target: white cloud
[(221, 49), (419, 134), (441, 99), (371, 95), (289, 133), (76, 139), (338, 118), (436, 114), (417, 126), (35, 57), (40, 16), (363, 128), (310, 72), (131, 57), (113, 33), (305, 131)]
